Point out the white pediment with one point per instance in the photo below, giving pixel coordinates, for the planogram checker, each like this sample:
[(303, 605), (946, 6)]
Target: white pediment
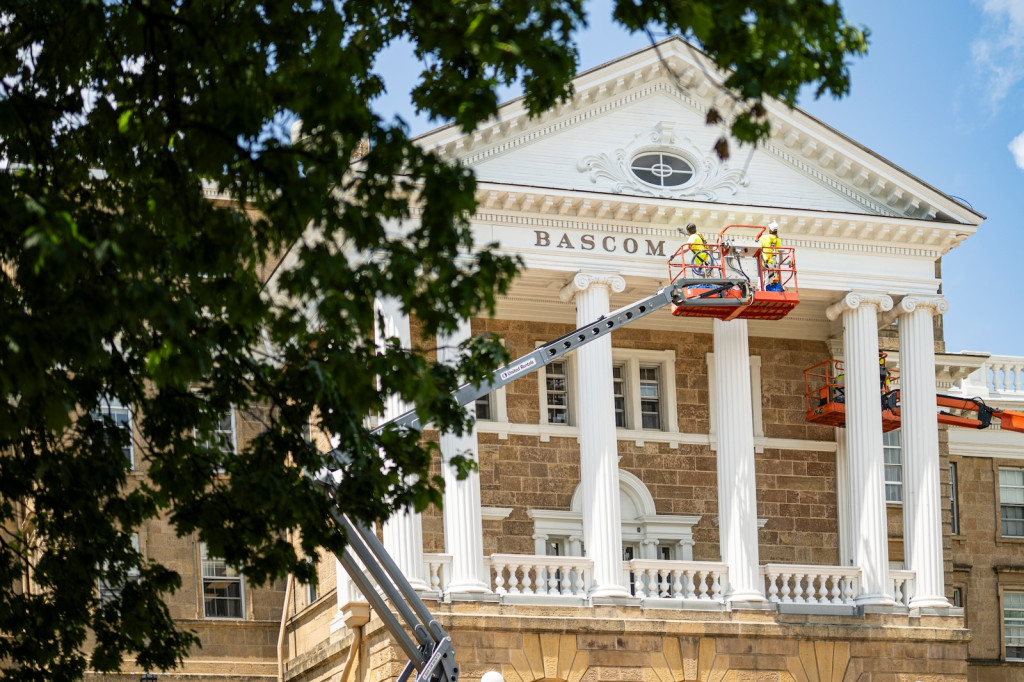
[(644, 103)]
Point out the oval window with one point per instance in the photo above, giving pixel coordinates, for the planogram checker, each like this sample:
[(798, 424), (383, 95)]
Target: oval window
[(662, 170)]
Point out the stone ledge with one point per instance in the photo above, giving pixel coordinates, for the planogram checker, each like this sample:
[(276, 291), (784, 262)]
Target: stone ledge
[(819, 609)]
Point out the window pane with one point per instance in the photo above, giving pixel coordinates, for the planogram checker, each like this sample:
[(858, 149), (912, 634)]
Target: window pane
[(483, 408), (1011, 477), (222, 587), (1013, 624), (109, 590), (121, 417), (619, 393), (663, 170), (893, 456), (650, 398), (1011, 500), (557, 395)]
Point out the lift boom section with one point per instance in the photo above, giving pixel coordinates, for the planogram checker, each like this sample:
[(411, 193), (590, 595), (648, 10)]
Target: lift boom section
[(429, 648), (825, 403)]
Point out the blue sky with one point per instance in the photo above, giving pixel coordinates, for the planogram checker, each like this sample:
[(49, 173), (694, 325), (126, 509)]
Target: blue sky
[(941, 95)]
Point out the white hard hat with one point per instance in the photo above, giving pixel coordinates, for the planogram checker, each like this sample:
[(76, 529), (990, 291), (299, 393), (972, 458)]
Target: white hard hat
[(773, 226)]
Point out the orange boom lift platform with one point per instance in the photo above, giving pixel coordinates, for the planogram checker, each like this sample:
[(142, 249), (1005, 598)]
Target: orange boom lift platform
[(735, 254), (824, 400)]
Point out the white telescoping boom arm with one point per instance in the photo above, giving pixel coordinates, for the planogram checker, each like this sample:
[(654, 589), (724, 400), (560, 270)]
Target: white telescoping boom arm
[(430, 649)]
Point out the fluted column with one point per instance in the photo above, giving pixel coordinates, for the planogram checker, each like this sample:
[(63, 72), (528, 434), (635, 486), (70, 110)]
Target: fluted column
[(866, 473), (599, 457), (403, 532), (843, 509), (463, 521), (922, 496), (737, 485)]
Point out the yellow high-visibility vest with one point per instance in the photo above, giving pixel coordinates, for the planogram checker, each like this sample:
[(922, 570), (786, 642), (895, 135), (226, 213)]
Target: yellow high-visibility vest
[(770, 244), (698, 247)]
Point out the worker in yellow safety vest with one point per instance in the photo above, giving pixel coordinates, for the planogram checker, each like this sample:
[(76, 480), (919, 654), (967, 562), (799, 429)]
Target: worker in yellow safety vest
[(698, 257), (770, 257), (884, 377)]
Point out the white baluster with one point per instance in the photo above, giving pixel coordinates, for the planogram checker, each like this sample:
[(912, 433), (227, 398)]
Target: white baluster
[(773, 587), (798, 588), (435, 577), (677, 584), (513, 579), (499, 579), (526, 582), (716, 586), (785, 588), (689, 584)]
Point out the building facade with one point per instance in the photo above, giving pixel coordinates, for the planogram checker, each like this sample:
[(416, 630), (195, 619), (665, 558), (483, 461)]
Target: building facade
[(656, 505)]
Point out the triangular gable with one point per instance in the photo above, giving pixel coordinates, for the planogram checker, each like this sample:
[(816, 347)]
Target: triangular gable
[(656, 100)]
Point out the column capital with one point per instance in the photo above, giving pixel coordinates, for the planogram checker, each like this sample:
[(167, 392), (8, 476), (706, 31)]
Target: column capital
[(856, 299), (582, 281), (937, 304)]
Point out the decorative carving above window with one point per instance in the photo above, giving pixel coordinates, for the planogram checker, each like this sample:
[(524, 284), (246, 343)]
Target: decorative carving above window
[(663, 163)]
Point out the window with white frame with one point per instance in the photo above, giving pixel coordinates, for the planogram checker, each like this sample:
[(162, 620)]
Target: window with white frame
[(643, 384), (110, 590), (223, 587), (650, 397), (120, 416), (223, 436), (1011, 502), (482, 407), (619, 395), (555, 393), (222, 439), (1013, 625), (892, 451)]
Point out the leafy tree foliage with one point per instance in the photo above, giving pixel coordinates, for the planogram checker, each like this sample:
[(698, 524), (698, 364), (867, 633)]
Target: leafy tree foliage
[(165, 245)]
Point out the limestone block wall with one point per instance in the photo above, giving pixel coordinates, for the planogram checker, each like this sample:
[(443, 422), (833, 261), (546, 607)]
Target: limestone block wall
[(629, 643), (796, 488), (984, 564)]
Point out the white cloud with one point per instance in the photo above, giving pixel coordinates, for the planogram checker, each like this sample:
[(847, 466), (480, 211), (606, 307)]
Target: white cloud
[(1017, 149), (999, 52)]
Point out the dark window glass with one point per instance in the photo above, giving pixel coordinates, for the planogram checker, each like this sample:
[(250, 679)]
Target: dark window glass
[(662, 170)]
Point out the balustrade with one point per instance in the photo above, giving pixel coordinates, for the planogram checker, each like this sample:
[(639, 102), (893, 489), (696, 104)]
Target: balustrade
[(1005, 374), (696, 580), (439, 569), (800, 584), (523, 574), (902, 586)]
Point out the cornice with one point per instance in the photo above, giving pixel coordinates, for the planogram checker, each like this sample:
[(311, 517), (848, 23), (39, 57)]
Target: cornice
[(802, 142), (583, 210)]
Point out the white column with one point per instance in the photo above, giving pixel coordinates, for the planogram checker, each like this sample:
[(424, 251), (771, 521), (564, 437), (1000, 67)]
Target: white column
[(737, 485), (922, 497), (599, 457), (463, 521), (403, 532), (843, 508), (864, 456)]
